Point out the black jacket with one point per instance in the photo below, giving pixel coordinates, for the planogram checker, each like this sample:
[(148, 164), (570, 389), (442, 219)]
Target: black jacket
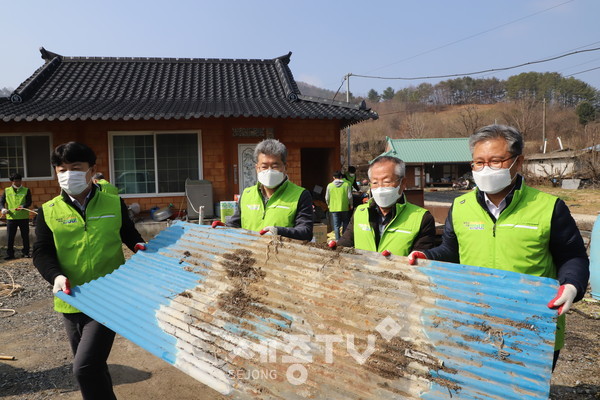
[(44, 250), (303, 223), (25, 205), (424, 240), (566, 244)]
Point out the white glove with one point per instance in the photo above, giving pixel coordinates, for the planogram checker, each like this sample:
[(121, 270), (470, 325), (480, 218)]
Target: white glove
[(61, 283), (564, 298), (4, 211), (269, 229)]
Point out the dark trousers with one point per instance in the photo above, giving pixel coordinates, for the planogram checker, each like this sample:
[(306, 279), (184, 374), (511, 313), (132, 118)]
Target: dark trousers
[(555, 359), (11, 230), (91, 343)]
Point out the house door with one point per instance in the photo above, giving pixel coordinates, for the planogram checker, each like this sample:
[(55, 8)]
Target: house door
[(247, 170), (317, 169)]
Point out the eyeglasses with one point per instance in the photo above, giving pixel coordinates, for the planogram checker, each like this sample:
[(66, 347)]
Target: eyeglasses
[(376, 185), (494, 164)]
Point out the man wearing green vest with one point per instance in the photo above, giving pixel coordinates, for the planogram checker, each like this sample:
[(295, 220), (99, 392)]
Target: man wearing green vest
[(79, 236), (15, 200), (274, 205), (339, 201), (105, 185), (388, 223), (505, 224), (350, 177)]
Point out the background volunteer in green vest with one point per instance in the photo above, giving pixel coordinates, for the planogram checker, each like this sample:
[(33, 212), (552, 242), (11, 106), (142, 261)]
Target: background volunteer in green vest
[(350, 177), (508, 225), (388, 223), (15, 199), (339, 202), (79, 236), (274, 205), (105, 185)]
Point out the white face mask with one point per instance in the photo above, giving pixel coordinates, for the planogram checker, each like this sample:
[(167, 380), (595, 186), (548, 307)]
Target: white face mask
[(270, 178), (492, 181), (386, 196), (16, 187), (73, 182)]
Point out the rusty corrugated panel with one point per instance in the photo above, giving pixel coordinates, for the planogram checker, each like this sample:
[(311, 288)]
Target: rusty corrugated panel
[(264, 317)]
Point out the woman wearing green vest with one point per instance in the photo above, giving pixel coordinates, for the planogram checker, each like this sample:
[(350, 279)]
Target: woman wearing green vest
[(79, 236), (508, 225), (274, 205), (338, 197), (388, 223), (15, 200)]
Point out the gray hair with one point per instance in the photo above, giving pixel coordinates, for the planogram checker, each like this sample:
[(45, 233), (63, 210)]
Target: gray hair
[(513, 137), (399, 166), (271, 147)]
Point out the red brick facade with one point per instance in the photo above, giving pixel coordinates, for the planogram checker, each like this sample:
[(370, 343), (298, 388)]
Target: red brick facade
[(317, 141)]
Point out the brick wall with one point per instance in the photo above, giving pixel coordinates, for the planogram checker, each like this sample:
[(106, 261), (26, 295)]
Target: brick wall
[(219, 148)]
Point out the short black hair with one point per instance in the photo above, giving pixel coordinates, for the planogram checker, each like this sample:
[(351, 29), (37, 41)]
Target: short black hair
[(16, 177), (352, 169), (68, 153), (338, 175)]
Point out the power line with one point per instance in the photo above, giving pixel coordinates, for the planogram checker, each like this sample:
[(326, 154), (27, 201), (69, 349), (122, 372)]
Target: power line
[(477, 72), (336, 93), (569, 50), (472, 36), (581, 72)]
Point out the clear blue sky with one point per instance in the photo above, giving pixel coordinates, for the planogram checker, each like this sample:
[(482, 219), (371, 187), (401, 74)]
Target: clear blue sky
[(328, 38)]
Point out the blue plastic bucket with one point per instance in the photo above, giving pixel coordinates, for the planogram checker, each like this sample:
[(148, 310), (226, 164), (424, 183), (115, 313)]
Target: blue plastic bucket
[(595, 260)]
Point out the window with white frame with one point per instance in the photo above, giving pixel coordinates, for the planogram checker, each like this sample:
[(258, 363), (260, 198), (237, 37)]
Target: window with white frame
[(27, 154), (155, 162)]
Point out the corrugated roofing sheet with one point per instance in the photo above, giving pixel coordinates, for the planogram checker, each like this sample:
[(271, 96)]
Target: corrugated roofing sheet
[(438, 150), (269, 317)]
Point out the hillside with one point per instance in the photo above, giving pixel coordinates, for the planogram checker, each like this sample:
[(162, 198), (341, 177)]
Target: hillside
[(401, 120)]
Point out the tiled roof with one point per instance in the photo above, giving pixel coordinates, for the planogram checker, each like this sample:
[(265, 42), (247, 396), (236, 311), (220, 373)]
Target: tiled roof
[(117, 88), (438, 150)]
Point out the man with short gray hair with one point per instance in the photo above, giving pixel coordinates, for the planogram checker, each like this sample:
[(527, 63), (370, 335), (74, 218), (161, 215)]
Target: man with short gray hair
[(274, 205), (388, 223), (505, 224)]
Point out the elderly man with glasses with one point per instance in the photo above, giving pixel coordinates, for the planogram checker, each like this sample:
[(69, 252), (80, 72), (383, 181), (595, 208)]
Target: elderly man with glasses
[(505, 224), (388, 223)]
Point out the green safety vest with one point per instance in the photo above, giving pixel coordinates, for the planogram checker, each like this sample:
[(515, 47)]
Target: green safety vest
[(108, 187), (397, 237), (350, 179), (280, 209), (518, 241), (15, 198), (338, 197), (86, 248)]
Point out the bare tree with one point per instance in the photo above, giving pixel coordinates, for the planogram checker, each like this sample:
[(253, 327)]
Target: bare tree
[(469, 119), (415, 125), (525, 115)]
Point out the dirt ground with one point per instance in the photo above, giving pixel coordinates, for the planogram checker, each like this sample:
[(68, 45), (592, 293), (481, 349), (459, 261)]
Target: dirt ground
[(42, 366), (582, 201)]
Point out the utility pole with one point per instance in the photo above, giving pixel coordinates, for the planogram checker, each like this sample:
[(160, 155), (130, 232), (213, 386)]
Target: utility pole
[(347, 77), (544, 124)]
